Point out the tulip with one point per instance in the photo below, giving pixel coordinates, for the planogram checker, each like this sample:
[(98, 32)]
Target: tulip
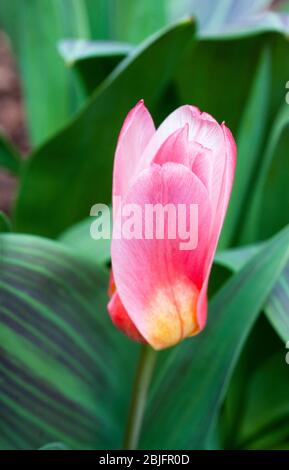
[(158, 290)]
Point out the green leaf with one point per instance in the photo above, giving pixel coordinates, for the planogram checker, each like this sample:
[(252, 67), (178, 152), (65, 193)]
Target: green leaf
[(77, 50), (266, 414), (5, 224), (93, 60), (65, 371), (255, 412), (81, 155), (78, 237), (100, 18), (271, 195), (276, 307), (220, 59), (235, 19), (134, 21), (192, 378), (249, 137), (34, 27), (9, 158)]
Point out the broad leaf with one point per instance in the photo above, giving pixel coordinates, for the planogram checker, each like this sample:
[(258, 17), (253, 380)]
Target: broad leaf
[(192, 378), (250, 137), (276, 307), (65, 371), (134, 21), (93, 60), (73, 170), (256, 409), (234, 19), (268, 211)]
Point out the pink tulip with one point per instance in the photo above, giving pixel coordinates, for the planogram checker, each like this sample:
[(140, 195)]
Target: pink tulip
[(159, 291)]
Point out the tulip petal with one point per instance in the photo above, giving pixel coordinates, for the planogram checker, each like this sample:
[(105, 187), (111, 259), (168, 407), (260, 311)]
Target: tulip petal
[(218, 217), (121, 320), (137, 130), (203, 129), (177, 148), (157, 281)]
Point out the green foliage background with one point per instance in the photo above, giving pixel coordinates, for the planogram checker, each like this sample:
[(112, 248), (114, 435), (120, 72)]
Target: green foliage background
[(65, 373)]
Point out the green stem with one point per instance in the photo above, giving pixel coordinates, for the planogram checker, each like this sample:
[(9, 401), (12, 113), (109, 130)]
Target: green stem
[(139, 394)]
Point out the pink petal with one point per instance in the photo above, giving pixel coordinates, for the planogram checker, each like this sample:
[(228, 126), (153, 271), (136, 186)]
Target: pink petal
[(218, 217), (202, 166), (158, 283), (137, 130), (177, 148), (203, 129), (121, 319)]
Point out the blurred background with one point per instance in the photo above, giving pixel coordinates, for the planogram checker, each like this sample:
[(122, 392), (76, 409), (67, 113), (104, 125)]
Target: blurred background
[(70, 70)]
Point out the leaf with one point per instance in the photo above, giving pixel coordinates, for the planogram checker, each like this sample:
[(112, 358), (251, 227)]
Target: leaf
[(250, 136), (255, 412), (79, 238), (80, 157), (93, 60), (62, 361), (192, 378), (99, 17), (220, 59), (34, 27), (276, 307), (5, 225), (9, 158), (235, 19), (134, 21), (76, 50), (271, 185), (265, 421)]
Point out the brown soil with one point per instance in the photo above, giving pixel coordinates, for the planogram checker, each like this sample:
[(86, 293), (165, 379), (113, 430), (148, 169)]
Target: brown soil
[(12, 120)]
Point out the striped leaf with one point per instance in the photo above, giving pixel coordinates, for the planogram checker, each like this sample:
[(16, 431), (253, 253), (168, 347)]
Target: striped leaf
[(65, 371)]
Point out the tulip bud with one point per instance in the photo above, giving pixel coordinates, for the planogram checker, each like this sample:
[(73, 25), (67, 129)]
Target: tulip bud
[(174, 184)]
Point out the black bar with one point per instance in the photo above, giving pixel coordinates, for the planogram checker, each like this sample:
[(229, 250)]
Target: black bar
[(146, 459)]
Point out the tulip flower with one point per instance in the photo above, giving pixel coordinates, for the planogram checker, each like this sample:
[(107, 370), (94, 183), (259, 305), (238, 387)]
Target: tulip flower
[(159, 290)]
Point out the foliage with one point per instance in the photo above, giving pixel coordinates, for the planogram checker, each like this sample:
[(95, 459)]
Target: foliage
[(65, 372)]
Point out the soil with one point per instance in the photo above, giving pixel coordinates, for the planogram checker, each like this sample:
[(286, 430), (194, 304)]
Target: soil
[(12, 117)]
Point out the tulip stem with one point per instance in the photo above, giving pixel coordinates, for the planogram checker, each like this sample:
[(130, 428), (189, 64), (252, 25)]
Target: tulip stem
[(139, 395)]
